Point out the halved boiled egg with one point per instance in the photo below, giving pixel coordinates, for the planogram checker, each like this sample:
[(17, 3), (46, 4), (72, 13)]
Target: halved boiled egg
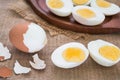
[(87, 15), (104, 53), (81, 2), (106, 7), (70, 55), (61, 8)]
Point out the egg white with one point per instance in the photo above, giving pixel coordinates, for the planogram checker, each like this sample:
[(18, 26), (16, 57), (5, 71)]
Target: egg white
[(96, 20), (94, 47), (58, 59), (64, 11), (112, 10), (34, 38)]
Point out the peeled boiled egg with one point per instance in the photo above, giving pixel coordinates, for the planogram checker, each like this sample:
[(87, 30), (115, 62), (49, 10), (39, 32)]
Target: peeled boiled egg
[(104, 53), (81, 2), (106, 7), (87, 15), (60, 7), (70, 55), (28, 37)]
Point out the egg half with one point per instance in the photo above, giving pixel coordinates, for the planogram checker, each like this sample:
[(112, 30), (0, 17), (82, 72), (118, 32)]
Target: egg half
[(81, 2), (87, 15), (28, 37), (104, 53), (70, 55), (106, 7), (61, 8)]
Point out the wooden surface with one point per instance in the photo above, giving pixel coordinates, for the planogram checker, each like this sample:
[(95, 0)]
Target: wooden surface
[(110, 25), (87, 71)]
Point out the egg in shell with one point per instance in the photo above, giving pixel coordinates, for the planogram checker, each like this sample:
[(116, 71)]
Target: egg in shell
[(70, 55), (104, 53), (106, 7), (87, 15), (28, 37), (81, 2), (61, 8)]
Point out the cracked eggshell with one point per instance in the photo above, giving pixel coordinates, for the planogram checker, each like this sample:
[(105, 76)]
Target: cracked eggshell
[(28, 37), (4, 53), (38, 63), (18, 69)]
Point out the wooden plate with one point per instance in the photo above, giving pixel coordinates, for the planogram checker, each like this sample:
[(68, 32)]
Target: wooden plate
[(110, 25)]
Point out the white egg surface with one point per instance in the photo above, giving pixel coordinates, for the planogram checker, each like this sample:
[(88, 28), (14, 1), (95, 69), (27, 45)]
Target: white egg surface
[(34, 38), (81, 2), (70, 55), (106, 7), (104, 53), (87, 15), (61, 8)]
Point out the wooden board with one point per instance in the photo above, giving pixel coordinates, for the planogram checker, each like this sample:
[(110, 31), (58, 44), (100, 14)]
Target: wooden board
[(110, 25)]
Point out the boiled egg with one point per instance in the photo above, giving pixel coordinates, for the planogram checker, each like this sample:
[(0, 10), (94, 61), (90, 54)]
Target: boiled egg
[(87, 15), (81, 2), (105, 7), (70, 55), (28, 37), (61, 8), (104, 53)]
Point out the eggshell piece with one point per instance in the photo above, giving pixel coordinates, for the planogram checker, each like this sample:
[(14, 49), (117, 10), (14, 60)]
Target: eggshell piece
[(38, 63), (16, 36), (5, 72), (4, 53), (18, 69)]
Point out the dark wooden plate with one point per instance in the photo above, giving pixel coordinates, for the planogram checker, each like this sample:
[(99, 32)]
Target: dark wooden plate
[(110, 25)]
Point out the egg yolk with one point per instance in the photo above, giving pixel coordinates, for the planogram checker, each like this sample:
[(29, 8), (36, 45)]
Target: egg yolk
[(56, 3), (80, 2), (86, 13), (73, 54), (103, 3), (110, 52)]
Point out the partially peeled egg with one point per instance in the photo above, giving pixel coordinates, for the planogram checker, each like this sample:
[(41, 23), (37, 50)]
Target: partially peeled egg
[(28, 37)]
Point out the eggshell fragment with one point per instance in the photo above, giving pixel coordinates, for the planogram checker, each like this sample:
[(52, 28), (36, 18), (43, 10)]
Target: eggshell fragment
[(4, 53), (5, 72), (18, 69), (38, 63), (28, 37)]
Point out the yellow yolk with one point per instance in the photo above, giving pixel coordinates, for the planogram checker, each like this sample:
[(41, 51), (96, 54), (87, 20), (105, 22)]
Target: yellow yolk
[(55, 3), (110, 52), (80, 2), (73, 54), (103, 3), (85, 13)]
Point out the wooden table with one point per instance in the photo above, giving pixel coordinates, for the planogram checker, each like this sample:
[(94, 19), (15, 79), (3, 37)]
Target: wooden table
[(87, 71)]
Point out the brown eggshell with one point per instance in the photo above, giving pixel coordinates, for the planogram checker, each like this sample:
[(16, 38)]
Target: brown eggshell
[(16, 36), (5, 72)]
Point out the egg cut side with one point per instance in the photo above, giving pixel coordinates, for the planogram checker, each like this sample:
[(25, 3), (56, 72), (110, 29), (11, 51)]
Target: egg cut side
[(106, 7), (104, 53), (28, 37), (69, 55), (87, 15), (60, 8), (81, 2)]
